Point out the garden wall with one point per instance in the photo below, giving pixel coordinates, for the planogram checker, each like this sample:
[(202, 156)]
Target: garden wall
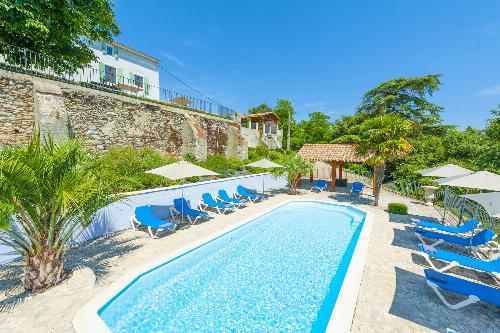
[(116, 216), (107, 120)]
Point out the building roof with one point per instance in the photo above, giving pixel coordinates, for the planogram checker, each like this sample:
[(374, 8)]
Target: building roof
[(331, 152), (266, 116), (136, 52)]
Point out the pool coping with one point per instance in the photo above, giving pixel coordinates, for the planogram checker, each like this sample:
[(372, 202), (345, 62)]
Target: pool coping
[(87, 320)]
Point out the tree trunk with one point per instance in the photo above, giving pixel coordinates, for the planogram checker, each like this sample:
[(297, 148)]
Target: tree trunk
[(42, 271), (288, 131), (378, 171)]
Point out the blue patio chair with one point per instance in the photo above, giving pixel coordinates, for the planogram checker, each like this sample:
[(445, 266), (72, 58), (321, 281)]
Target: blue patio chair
[(357, 189), (224, 197), (467, 227), (484, 237), (182, 207), (144, 216), (454, 259), (474, 291), (242, 192), (319, 186), (207, 201)]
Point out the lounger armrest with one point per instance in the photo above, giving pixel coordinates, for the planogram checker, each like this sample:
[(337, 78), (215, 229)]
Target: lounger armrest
[(134, 221), (173, 211), (470, 300), (202, 206)]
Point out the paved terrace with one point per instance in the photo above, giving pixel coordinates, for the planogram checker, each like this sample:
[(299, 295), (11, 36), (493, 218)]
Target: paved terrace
[(393, 295)]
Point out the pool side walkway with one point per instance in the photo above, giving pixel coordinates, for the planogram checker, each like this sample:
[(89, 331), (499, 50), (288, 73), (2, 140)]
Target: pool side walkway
[(393, 295)]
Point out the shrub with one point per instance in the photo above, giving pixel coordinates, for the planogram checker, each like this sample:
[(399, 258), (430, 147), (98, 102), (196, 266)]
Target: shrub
[(225, 166), (124, 168), (397, 208), (257, 153)]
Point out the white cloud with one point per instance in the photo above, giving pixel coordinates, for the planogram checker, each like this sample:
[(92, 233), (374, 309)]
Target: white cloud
[(314, 106), (173, 59), (491, 91)]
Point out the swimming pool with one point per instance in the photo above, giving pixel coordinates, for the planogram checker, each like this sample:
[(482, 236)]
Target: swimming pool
[(281, 271)]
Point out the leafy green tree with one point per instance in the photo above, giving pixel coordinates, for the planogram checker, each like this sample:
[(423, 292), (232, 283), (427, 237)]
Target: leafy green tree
[(346, 129), (262, 108), (48, 192), (316, 129), (492, 130), (490, 157), (56, 27), (383, 138), (285, 112), (406, 97)]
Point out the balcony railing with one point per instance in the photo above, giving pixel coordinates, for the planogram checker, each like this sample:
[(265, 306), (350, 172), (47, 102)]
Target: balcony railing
[(25, 61)]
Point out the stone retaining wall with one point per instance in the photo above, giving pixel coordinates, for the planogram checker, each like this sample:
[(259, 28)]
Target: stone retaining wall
[(108, 120)]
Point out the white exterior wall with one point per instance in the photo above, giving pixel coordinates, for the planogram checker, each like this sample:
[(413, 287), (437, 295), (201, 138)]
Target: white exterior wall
[(125, 62), (251, 136)]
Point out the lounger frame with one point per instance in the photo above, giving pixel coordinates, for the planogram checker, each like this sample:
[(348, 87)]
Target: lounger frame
[(152, 232)]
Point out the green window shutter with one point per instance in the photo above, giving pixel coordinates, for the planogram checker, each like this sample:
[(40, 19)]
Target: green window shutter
[(115, 52), (146, 86), (119, 76), (102, 71), (131, 78), (103, 48)]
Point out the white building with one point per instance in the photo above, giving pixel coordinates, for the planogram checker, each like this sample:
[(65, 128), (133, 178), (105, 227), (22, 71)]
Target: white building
[(123, 68), (261, 129)]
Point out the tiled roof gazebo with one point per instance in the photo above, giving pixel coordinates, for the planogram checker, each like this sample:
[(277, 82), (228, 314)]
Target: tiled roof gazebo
[(334, 154)]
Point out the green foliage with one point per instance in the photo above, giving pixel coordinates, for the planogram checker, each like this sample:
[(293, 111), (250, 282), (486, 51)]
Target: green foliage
[(397, 208), (124, 168), (359, 169), (294, 167), (56, 28), (406, 97), (257, 153), (225, 166), (346, 129), (52, 191), (262, 108), (383, 138), (316, 129)]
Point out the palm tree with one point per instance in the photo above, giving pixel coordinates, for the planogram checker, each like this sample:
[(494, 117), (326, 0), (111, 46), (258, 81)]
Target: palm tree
[(383, 138), (49, 193), (294, 166)]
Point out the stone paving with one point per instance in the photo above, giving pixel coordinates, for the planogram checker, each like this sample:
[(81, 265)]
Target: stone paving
[(393, 296)]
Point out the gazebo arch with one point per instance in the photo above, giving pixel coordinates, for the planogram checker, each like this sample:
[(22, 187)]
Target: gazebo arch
[(333, 154)]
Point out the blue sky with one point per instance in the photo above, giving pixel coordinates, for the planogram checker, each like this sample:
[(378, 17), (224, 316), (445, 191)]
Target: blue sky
[(322, 55)]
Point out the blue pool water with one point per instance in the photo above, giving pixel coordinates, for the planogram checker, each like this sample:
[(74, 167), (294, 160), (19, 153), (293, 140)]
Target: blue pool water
[(280, 272)]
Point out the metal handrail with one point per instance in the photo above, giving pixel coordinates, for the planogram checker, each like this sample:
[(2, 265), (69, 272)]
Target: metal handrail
[(22, 60)]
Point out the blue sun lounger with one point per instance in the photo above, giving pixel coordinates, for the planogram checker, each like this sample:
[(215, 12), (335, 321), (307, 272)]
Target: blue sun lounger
[(474, 291), (242, 192), (320, 185), (224, 197), (481, 238), (207, 201), (357, 189), (182, 207), (468, 226), (454, 259), (143, 215)]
